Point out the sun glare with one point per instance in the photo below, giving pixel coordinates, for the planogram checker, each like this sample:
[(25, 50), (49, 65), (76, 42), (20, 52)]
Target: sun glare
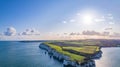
[(88, 19)]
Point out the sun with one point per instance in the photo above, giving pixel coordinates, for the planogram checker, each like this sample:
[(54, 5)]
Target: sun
[(88, 18)]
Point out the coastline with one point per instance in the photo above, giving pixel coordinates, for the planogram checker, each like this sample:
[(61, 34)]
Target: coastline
[(66, 59)]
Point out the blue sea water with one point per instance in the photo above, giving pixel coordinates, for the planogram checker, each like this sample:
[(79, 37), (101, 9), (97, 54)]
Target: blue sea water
[(28, 54), (20, 54)]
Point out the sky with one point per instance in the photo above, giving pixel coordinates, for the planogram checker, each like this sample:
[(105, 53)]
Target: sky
[(44, 17)]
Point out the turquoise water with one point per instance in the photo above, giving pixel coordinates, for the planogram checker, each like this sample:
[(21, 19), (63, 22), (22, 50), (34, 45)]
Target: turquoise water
[(20, 54)]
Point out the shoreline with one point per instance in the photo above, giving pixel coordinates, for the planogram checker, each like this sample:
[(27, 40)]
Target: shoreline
[(66, 60)]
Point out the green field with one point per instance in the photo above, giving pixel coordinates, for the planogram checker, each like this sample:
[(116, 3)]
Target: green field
[(83, 43), (84, 49), (72, 56), (76, 57)]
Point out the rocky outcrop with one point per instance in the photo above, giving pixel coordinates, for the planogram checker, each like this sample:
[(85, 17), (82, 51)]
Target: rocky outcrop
[(97, 55), (65, 59)]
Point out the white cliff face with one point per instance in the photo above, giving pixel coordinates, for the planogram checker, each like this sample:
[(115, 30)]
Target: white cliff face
[(66, 59)]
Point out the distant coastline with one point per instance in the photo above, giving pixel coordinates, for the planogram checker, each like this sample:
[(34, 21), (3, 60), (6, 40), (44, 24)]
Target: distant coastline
[(33, 41)]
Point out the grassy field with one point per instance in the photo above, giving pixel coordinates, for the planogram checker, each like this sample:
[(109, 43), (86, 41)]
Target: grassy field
[(83, 43), (72, 56), (84, 49)]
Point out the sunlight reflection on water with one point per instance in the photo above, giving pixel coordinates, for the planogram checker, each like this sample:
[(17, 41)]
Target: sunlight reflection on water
[(110, 58)]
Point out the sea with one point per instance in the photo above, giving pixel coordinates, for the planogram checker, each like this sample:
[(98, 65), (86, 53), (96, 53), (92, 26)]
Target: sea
[(28, 54)]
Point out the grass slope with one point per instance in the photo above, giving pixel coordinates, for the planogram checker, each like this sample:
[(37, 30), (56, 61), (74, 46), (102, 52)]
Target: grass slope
[(72, 56)]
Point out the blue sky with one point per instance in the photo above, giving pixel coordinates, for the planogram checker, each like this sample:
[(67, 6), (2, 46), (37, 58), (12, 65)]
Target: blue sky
[(50, 15)]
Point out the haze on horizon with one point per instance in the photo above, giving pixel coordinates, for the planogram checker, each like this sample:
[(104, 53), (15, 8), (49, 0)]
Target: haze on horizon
[(59, 19)]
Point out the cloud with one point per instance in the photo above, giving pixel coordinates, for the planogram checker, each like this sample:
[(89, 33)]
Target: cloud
[(99, 20), (72, 20), (78, 14), (74, 33), (111, 23), (10, 31), (109, 14), (108, 28), (115, 35), (107, 18), (31, 32), (69, 21), (90, 33), (103, 17), (111, 17), (64, 22), (65, 33), (105, 33), (0, 33)]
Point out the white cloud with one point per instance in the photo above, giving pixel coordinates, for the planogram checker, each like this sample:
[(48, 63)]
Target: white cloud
[(111, 23), (111, 17), (64, 22), (78, 14), (103, 17), (99, 20), (72, 20), (31, 32), (10, 31)]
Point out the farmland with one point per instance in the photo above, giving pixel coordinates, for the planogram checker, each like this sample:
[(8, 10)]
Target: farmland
[(71, 55), (74, 50)]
